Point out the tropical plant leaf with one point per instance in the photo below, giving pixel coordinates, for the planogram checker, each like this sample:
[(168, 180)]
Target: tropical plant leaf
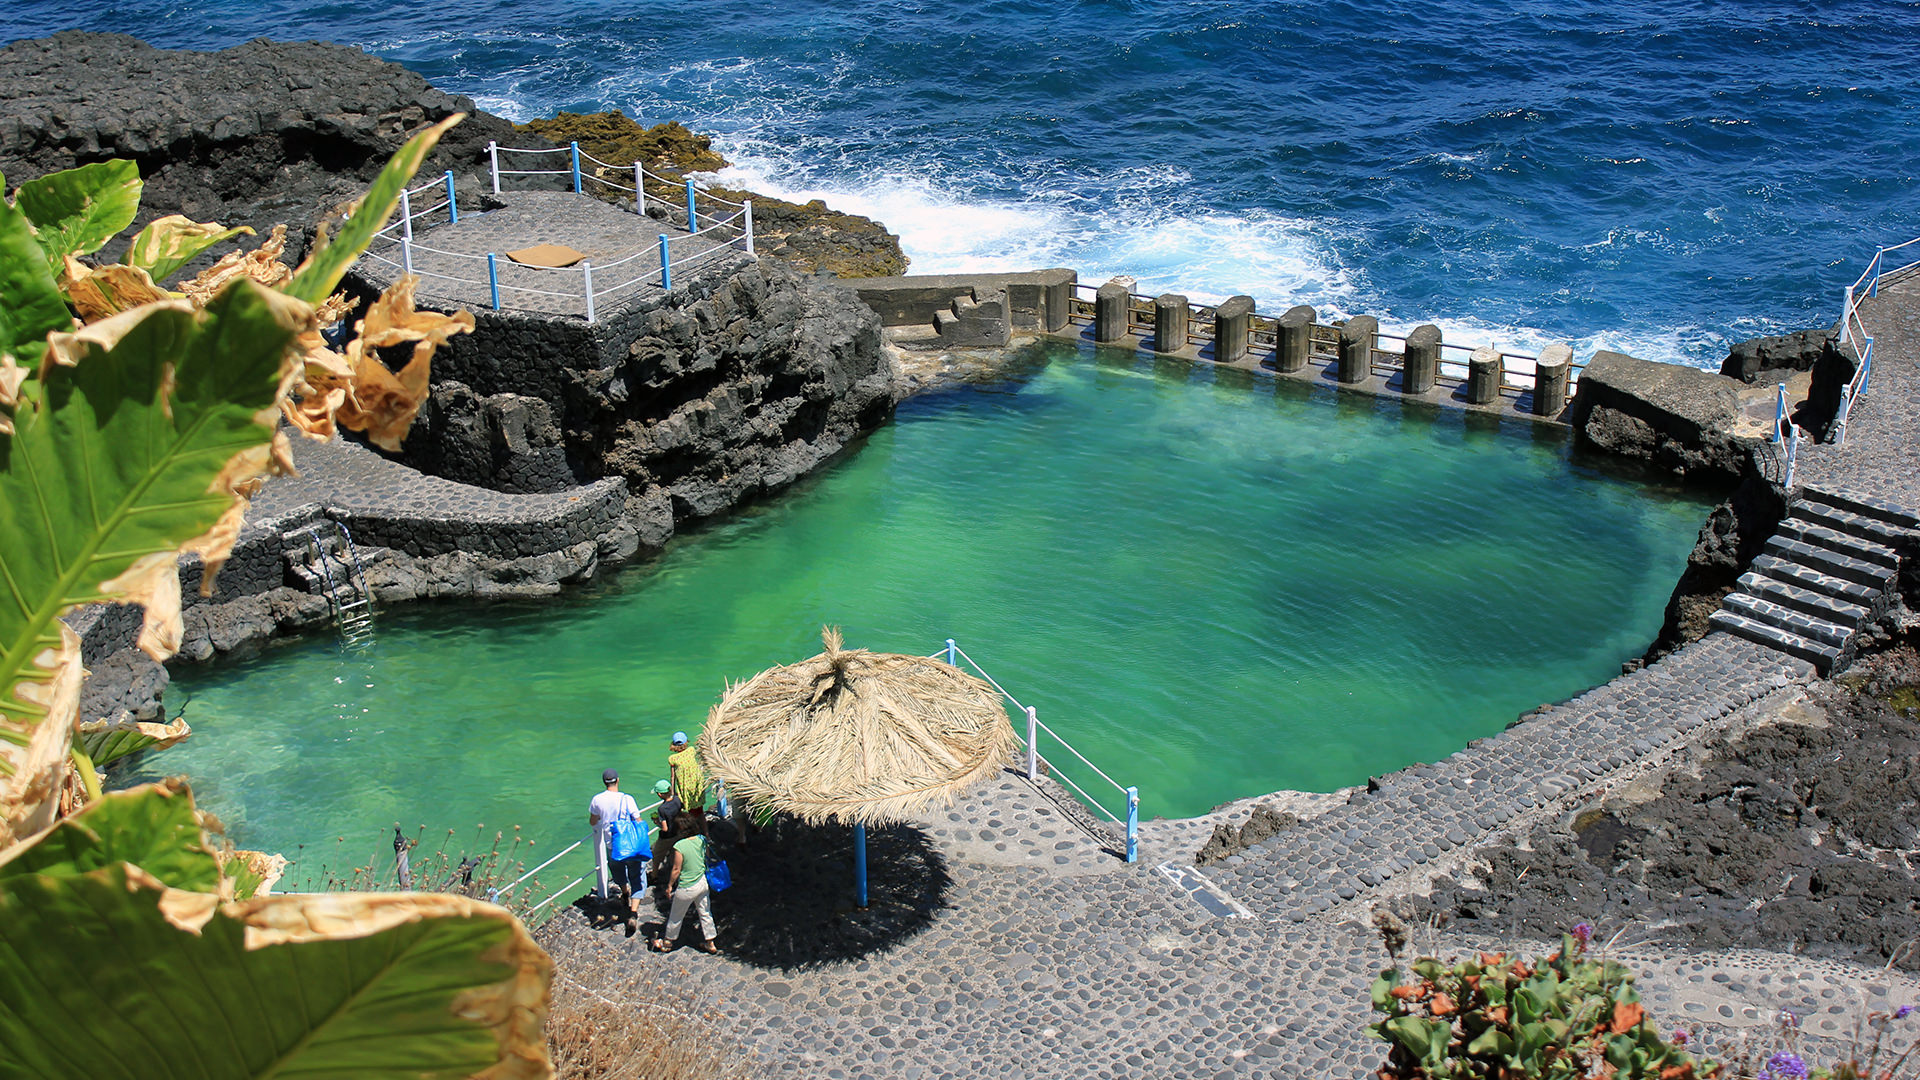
[(30, 303), (152, 826), (108, 291), (170, 242), (328, 262), (127, 449), (76, 211), (107, 741), (110, 975), (36, 732), (253, 873)]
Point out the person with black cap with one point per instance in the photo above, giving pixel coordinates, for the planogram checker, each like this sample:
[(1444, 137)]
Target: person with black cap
[(622, 879)]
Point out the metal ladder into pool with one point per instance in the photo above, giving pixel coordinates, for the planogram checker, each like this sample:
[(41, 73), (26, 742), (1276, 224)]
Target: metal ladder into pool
[(347, 592)]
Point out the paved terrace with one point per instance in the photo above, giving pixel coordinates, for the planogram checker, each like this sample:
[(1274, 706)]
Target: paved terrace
[(1012, 944), (624, 248)]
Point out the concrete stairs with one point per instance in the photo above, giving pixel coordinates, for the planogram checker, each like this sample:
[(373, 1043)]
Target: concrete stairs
[(978, 321), (1832, 567)]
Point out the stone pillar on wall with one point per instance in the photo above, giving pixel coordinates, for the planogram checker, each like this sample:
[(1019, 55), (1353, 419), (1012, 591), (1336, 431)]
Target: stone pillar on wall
[(1110, 313), (1356, 348), (1422, 360), (1170, 316), (1483, 376), (1231, 322), (1293, 340), (1057, 292), (1550, 380)]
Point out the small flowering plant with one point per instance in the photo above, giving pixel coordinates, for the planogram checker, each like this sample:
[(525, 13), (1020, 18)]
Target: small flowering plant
[(1566, 1017), (1867, 1060)]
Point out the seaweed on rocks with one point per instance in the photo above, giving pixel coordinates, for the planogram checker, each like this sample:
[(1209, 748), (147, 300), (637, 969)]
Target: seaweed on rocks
[(812, 236)]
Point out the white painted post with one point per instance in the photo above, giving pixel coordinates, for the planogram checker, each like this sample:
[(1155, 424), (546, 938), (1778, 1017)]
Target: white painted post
[(406, 214), (493, 155), (749, 212), (406, 254), (1033, 744), (639, 190), (587, 271)]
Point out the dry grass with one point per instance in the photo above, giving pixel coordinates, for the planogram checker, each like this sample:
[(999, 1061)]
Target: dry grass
[(639, 1031), (856, 737)]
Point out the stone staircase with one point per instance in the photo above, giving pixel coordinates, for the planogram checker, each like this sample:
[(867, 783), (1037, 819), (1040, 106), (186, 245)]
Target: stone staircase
[(1830, 568)]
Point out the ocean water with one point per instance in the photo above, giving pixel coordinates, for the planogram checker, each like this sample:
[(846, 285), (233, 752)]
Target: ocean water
[(1216, 585), (1662, 178)]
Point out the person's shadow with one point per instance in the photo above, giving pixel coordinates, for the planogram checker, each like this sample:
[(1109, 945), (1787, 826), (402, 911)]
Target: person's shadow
[(792, 900)]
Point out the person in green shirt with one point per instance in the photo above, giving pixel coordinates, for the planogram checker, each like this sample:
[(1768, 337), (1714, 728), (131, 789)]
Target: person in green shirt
[(687, 885)]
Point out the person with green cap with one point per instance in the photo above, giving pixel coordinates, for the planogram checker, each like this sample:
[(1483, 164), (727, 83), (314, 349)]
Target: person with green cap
[(689, 780)]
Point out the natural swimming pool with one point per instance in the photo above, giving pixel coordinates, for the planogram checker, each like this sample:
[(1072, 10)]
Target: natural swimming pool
[(1217, 585)]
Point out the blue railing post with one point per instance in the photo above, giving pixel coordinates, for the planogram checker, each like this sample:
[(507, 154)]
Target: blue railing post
[(1133, 824), (1033, 744), (666, 268), (693, 219), (1873, 283), (860, 865), (453, 207), (576, 167), (1866, 366), (493, 279), (952, 650)]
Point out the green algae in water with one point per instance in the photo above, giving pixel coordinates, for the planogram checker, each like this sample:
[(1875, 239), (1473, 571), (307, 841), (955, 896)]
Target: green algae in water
[(1217, 585)]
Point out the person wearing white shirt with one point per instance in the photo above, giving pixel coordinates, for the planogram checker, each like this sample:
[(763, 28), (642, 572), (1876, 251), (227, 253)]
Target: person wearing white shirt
[(628, 876)]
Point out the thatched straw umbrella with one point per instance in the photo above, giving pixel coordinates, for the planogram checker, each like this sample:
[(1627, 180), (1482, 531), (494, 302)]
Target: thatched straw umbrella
[(856, 737)]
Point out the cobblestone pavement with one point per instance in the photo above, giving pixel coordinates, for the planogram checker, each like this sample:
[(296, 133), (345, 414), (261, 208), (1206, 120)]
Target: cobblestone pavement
[(1878, 457), (622, 246)]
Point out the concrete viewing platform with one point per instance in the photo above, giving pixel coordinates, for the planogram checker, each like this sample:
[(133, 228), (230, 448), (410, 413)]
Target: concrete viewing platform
[(622, 247)]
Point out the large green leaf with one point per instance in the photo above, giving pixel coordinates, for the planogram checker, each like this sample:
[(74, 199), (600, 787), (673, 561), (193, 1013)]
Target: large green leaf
[(107, 741), (76, 211), (329, 261), (106, 976), (31, 306), (168, 243), (114, 459), (153, 827)]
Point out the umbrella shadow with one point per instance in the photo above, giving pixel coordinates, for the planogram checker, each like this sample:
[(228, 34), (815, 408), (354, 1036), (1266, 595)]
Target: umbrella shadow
[(792, 900)]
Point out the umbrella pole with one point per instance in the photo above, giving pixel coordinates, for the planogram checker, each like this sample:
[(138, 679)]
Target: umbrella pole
[(860, 866)]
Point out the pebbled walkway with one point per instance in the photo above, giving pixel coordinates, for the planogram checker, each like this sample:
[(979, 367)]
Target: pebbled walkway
[(1047, 957)]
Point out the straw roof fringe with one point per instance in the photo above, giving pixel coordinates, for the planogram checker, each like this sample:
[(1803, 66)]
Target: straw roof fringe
[(856, 737)]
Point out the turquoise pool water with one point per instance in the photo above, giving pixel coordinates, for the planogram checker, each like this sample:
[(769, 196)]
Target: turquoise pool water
[(1216, 584)]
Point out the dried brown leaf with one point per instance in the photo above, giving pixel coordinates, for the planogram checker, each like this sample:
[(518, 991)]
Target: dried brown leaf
[(153, 582), (109, 290), (262, 264), (36, 765), (381, 402)]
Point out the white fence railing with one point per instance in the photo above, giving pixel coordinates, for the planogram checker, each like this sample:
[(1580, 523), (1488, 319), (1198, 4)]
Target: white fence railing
[(1854, 332), (731, 223), (1030, 744)]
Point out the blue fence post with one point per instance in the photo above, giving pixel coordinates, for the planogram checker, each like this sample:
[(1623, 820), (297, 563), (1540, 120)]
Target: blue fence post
[(576, 167), (453, 207), (860, 865), (952, 649), (666, 268), (693, 220), (1133, 824), (493, 279), (1873, 283)]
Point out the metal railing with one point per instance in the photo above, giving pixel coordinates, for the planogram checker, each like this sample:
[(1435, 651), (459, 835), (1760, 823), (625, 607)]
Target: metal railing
[(1854, 332), (599, 867), (734, 227), (1323, 342), (1030, 745), (1785, 431)]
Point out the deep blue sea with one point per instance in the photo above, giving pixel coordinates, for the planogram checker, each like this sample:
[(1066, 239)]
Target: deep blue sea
[(1660, 178)]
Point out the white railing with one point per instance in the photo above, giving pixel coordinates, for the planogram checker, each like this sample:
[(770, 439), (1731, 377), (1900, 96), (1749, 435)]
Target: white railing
[(1788, 432), (1854, 332), (953, 654), (599, 867), (401, 233)]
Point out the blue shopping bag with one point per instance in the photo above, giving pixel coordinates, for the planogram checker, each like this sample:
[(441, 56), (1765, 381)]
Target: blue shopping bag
[(719, 878), (627, 840)]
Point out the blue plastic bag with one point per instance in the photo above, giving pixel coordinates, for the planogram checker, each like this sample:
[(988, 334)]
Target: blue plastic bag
[(627, 840), (719, 878)]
